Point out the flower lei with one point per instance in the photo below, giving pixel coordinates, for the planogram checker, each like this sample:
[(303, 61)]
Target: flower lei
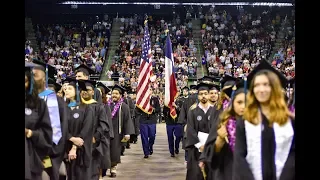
[(225, 103), (231, 129), (291, 109), (116, 107)]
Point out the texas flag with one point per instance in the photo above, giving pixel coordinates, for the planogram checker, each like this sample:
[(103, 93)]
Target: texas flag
[(171, 91)]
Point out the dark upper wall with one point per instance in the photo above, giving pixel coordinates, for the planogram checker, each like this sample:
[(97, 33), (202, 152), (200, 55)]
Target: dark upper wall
[(48, 12)]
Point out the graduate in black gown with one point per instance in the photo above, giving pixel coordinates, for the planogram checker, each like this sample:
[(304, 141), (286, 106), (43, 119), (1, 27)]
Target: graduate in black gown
[(214, 91), (198, 122), (38, 129), (218, 151), (80, 133), (106, 163), (129, 102), (58, 113), (189, 100), (83, 72), (226, 84), (122, 126), (101, 128), (265, 145)]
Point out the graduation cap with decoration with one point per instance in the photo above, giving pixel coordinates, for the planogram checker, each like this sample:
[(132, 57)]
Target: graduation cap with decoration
[(85, 70), (119, 88), (49, 70)]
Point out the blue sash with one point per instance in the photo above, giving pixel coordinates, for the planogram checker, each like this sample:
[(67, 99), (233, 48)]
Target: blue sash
[(72, 104), (51, 98)]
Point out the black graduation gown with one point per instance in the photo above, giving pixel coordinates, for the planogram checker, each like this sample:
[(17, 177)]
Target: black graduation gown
[(129, 102), (98, 96), (80, 124), (131, 105), (40, 143), (242, 169), (182, 118), (58, 151), (197, 121), (101, 129), (106, 162), (27, 172), (220, 164), (126, 129)]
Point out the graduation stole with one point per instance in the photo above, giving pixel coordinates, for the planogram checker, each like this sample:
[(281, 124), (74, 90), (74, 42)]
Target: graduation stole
[(88, 102), (116, 107), (51, 99), (231, 129)]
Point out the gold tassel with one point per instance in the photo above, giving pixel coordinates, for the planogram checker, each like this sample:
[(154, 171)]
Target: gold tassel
[(204, 174)]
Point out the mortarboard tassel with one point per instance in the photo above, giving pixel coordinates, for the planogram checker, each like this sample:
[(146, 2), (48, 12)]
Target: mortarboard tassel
[(77, 92)]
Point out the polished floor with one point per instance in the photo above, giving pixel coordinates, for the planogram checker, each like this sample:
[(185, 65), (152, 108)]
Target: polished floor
[(159, 166)]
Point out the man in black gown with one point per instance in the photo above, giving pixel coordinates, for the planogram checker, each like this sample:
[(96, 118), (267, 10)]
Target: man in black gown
[(122, 126), (198, 125), (101, 127)]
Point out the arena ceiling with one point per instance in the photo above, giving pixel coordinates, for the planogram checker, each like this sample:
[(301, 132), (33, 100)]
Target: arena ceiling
[(183, 1)]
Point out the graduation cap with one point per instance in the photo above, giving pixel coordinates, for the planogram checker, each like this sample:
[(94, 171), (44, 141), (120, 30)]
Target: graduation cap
[(291, 82), (47, 68), (78, 85), (186, 87), (57, 86), (85, 69), (264, 65), (119, 88), (28, 68), (193, 87), (227, 80), (104, 87), (204, 86), (90, 83)]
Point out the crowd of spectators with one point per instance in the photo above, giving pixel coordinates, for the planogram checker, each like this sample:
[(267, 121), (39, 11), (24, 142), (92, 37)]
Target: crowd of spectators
[(67, 46), (232, 44), (235, 44)]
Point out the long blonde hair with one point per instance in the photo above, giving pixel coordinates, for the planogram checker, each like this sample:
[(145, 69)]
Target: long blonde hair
[(279, 112)]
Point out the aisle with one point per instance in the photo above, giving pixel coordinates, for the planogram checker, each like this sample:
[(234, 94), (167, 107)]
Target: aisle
[(159, 166)]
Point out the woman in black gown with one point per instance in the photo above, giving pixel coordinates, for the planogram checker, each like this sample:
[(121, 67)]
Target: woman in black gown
[(265, 147), (37, 129), (218, 151), (80, 133)]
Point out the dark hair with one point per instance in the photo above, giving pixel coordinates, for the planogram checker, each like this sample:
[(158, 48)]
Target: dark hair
[(32, 100), (226, 114)]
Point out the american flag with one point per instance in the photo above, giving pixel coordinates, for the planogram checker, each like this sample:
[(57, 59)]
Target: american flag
[(143, 92)]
